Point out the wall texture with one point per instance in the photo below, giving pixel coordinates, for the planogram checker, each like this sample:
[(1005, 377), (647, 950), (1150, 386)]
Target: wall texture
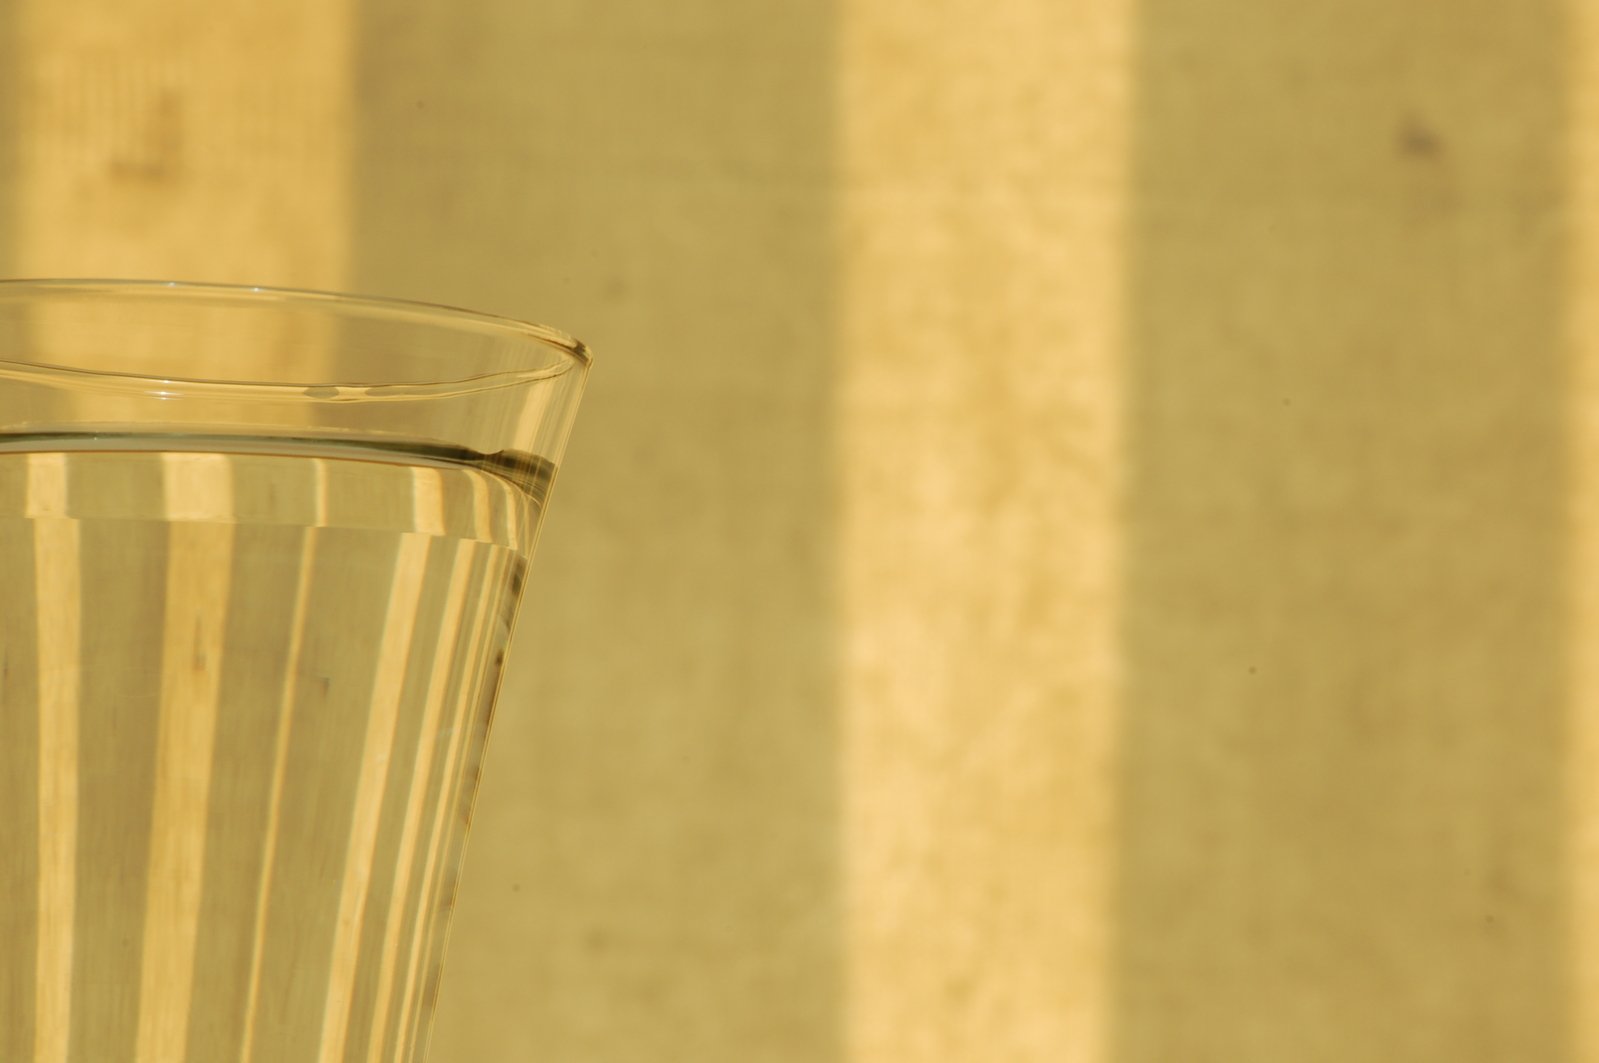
[(1075, 547)]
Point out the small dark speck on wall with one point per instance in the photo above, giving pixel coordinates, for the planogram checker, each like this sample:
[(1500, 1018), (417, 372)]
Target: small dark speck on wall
[(1418, 140)]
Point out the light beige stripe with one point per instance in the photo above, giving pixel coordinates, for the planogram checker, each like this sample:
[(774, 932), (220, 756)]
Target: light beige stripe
[(320, 465), (512, 504), (427, 501), (200, 561), (388, 687), (47, 486), (978, 463), (463, 665), (516, 510), (405, 862), (535, 410), (58, 580), (481, 509), (113, 99)]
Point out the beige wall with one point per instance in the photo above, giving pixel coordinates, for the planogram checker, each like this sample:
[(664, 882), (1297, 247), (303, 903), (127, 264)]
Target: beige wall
[(1346, 574), (1075, 546), (656, 863)]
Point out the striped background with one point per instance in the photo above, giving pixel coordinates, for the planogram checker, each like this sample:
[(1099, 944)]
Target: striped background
[(1076, 543)]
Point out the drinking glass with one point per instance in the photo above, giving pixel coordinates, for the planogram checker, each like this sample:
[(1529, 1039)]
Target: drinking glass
[(260, 555)]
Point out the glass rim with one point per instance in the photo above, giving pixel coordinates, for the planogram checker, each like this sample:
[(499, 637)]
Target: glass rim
[(571, 353)]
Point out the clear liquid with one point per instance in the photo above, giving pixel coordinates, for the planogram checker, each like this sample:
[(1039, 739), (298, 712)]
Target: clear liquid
[(244, 690)]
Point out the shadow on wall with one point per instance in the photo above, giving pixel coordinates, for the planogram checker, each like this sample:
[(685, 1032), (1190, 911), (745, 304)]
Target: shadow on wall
[(653, 869), (1343, 739)]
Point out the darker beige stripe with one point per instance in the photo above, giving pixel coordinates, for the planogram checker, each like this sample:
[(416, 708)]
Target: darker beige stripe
[(728, 461), (124, 567), (270, 588), (1344, 831), (20, 731), (283, 729), (274, 796)]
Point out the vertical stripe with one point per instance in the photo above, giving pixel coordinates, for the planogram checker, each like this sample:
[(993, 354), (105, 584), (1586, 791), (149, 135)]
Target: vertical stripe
[(426, 639), (1582, 766), (59, 595), (393, 658), (464, 658), (443, 672), (320, 466), (47, 486), (518, 514), (482, 670), (280, 764), (1345, 583), (736, 478), (19, 764), (347, 617), (298, 625), (124, 573), (427, 501), (198, 490), (528, 437), (982, 216), (482, 511), (267, 579)]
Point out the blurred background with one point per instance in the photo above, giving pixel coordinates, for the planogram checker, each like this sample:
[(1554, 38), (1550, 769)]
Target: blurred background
[(1077, 544)]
